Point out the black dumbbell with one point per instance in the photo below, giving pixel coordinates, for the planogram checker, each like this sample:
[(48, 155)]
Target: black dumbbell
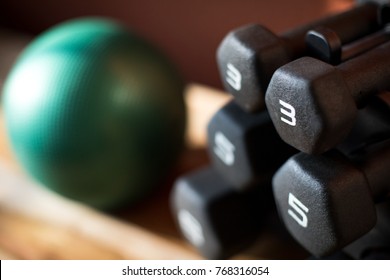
[(327, 201), (313, 104), (214, 217), (248, 56), (245, 148), (324, 44)]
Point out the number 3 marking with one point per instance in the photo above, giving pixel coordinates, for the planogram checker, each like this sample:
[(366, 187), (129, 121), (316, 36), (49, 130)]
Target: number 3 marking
[(299, 208), (288, 112)]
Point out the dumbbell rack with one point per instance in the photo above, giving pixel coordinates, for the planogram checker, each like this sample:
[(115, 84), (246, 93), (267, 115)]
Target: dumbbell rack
[(204, 213)]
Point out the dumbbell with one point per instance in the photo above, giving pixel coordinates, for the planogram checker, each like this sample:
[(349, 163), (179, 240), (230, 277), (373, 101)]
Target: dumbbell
[(327, 201), (245, 148), (248, 56), (218, 220), (313, 104)]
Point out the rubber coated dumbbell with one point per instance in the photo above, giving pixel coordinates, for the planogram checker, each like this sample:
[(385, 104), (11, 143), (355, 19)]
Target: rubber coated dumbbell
[(245, 148), (214, 217), (248, 56), (313, 104), (324, 44), (327, 201)]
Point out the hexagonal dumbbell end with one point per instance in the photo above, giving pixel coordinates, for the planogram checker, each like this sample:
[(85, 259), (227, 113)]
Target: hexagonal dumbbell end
[(214, 217), (245, 148), (310, 105), (326, 201), (313, 105), (247, 58)]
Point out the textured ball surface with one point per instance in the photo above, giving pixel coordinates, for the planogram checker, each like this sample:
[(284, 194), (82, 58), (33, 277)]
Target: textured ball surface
[(94, 112)]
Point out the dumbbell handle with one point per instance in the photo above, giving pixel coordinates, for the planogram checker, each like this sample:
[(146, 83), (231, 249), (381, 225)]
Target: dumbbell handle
[(368, 73), (350, 25), (362, 45), (376, 167)]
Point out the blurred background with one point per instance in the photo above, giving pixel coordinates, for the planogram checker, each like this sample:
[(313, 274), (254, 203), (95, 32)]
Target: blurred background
[(188, 31)]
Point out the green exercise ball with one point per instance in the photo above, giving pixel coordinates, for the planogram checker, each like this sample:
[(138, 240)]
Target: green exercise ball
[(94, 112)]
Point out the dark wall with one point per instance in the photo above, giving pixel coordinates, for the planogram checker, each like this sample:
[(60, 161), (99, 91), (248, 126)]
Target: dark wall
[(188, 31)]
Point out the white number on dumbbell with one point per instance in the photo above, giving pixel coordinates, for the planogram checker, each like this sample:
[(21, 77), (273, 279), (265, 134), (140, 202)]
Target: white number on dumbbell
[(299, 208), (223, 148), (233, 77), (288, 111), (191, 228)]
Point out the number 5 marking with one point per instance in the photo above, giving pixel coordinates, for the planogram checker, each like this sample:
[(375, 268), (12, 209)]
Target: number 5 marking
[(299, 208), (288, 112)]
